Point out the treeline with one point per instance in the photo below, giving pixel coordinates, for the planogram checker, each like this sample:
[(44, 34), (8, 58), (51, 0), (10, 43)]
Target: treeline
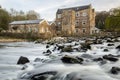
[(13, 15), (108, 20)]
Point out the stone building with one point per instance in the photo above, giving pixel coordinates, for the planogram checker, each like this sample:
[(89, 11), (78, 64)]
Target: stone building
[(40, 26), (76, 20)]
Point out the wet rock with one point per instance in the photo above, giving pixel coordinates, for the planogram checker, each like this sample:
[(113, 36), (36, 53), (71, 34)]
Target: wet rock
[(47, 46), (23, 60), (67, 49), (110, 45), (105, 50), (43, 76), (68, 59), (86, 56), (60, 47), (115, 70), (48, 51), (118, 47), (37, 60), (98, 59), (85, 46), (110, 58)]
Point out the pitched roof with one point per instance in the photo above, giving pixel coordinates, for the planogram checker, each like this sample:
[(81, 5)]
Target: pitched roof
[(74, 8), (27, 22)]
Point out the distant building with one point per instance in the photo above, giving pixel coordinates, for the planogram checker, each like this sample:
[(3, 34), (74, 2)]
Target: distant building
[(30, 26), (76, 20)]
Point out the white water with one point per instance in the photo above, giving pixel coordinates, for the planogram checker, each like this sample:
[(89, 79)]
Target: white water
[(10, 53)]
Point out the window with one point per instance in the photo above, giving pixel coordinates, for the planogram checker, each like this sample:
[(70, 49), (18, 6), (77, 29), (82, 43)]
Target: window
[(59, 15), (77, 23), (84, 30), (84, 14), (84, 22), (77, 14)]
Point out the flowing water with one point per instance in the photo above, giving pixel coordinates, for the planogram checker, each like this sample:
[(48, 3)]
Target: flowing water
[(10, 53), (53, 69)]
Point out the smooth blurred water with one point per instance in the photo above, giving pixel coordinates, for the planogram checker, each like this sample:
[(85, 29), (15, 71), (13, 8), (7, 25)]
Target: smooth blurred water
[(10, 53)]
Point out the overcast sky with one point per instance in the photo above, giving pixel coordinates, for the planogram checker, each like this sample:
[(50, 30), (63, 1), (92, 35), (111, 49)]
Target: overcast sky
[(47, 8)]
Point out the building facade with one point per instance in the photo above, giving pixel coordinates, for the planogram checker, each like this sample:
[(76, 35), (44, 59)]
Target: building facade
[(76, 20), (40, 26)]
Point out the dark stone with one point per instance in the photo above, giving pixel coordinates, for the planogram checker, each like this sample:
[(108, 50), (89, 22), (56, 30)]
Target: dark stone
[(105, 50), (47, 46), (110, 45), (85, 46), (86, 56), (37, 60), (41, 76), (67, 49), (68, 59), (48, 51), (98, 59), (118, 47), (23, 60), (110, 58), (115, 70), (109, 40), (60, 47)]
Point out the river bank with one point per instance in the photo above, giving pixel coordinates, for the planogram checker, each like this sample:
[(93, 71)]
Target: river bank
[(6, 40)]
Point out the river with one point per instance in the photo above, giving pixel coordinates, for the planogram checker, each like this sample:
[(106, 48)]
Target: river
[(10, 53)]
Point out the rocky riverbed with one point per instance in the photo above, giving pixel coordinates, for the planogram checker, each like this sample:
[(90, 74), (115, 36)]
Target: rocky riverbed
[(95, 58)]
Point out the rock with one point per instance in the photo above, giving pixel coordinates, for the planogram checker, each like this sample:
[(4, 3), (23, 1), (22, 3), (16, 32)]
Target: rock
[(110, 58), (105, 50), (67, 49), (47, 46), (43, 76), (118, 47), (85, 46), (98, 59), (37, 60), (115, 70), (68, 59), (110, 45), (23, 60), (86, 56), (48, 51), (60, 47)]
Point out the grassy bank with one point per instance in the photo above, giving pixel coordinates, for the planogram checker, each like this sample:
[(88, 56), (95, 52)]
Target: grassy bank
[(8, 39)]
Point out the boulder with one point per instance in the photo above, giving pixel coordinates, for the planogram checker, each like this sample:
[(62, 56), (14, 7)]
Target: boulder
[(85, 46), (110, 45), (86, 56), (43, 76), (23, 60), (105, 50), (60, 47), (47, 46), (118, 47), (115, 70), (67, 49), (110, 58), (98, 59), (69, 59)]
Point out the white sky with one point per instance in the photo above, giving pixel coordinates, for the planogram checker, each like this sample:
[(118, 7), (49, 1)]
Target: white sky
[(47, 8)]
